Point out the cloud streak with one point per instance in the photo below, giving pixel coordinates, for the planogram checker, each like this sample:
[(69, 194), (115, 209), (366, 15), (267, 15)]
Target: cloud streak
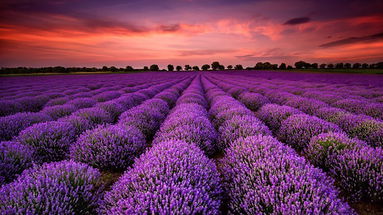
[(353, 40), (297, 21)]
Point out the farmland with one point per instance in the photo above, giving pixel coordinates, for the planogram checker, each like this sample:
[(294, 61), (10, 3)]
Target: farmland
[(237, 142)]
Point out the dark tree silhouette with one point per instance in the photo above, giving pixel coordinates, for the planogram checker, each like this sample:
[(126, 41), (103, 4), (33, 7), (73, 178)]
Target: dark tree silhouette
[(105, 68), (146, 68), (379, 65), (154, 67), (221, 67), (215, 65), (179, 68), (314, 66), (196, 68), (365, 66), (170, 68), (230, 67), (113, 69), (356, 65), (339, 66), (238, 67), (301, 65), (322, 66), (330, 66), (129, 68), (205, 67), (282, 66), (187, 67), (289, 67), (347, 65)]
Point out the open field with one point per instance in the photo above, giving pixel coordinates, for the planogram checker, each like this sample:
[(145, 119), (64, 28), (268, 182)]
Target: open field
[(237, 142)]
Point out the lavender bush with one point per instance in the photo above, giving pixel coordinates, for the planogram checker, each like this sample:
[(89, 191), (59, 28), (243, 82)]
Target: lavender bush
[(109, 147), (50, 140), (14, 158), (54, 188), (173, 177), (262, 176)]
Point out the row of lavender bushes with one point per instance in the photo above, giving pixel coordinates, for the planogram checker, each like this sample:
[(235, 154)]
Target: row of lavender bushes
[(356, 165)]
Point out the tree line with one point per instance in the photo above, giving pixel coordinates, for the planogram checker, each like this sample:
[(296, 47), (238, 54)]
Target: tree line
[(213, 66)]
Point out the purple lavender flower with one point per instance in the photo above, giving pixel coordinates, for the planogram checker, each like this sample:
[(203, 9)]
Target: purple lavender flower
[(273, 115), (113, 108), (109, 147), (309, 106), (169, 96), (298, 129), (252, 100), (54, 188), (59, 111), (57, 101), (95, 115), (173, 177), (33, 103), (262, 176), (147, 117), (10, 126), (50, 140), (359, 172), (240, 127), (80, 124), (106, 96), (14, 158), (325, 145), (80, 103), (197, 130), (8, 107)]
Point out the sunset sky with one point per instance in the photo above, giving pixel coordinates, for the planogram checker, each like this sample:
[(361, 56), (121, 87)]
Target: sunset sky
[(195, 32)]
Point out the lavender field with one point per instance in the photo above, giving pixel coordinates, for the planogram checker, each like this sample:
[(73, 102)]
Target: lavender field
[(229, 142)]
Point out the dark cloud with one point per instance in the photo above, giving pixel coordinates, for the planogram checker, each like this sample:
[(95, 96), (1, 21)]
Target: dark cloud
[(352, 40), (170, 28), (297, 21)]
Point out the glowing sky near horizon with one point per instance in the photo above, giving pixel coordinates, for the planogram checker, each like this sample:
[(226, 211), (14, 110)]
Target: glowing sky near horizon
[(195, 32)]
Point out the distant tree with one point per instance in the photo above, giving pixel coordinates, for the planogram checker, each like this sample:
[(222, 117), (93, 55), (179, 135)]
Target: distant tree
[(289, 67), (372, 66), (379, 65), (282, 66), (105, 68), (205, 67), (249, 68), (221, 67), (187, 67), (238, 67), (365, 66), (347, 65), (314, 66), (113, 69), (356, 65), (179, 68), (195, 68), (259, 65), (215, 65), (154, 67), (339, 66), (146, 68), (129, 68), (330, 66), (301, 65), (322, 66), (274, 66), (267, 65), (230, 67), (170, 68)]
